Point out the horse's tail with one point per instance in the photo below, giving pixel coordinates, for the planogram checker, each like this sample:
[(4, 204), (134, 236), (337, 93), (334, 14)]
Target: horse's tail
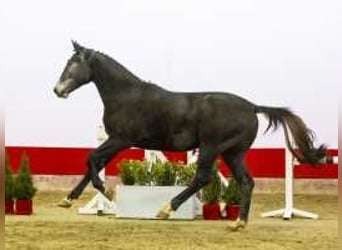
[(302, 136)]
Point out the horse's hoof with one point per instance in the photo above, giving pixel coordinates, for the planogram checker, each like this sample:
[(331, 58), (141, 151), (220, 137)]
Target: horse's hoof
[(109, 193), (66, 203), (237, 225), (165, 212)]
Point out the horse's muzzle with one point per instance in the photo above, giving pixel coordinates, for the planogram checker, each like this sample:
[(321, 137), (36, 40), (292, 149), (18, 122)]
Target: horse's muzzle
[(60, 94)]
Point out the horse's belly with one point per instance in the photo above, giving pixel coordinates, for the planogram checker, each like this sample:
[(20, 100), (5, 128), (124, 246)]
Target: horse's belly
[(173, 142), (183, 141)]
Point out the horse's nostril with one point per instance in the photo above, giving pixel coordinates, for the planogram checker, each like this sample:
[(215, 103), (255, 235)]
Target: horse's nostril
[(57, 92)]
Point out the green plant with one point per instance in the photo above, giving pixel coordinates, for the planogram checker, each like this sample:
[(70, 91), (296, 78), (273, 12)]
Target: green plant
[(185, 173), (24, 188), (163, 174), (232, 194), (141, 173), (127, 171), (211, 193), (9, 180), (135, 172)]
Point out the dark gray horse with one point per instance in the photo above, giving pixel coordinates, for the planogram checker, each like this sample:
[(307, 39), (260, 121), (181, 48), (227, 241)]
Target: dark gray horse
[(142, 114)]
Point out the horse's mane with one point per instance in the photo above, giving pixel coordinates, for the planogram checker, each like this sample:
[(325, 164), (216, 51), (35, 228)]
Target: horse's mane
[(122, 70), (118, 67)]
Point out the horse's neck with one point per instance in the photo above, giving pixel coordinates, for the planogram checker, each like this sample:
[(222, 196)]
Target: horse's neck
[(111, 83)]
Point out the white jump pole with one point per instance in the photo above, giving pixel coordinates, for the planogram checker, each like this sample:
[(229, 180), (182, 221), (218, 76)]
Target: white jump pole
[(153, 156), (99, 204), (289, 209)]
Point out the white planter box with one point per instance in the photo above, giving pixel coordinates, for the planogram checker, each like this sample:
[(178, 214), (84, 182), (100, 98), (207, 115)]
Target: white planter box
[(144, 202)]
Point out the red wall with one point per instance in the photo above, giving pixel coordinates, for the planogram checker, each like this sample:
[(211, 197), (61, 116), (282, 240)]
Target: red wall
[(71, 161)]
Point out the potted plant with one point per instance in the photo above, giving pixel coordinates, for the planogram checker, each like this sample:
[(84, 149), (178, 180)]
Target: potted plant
[(232, 197), (210, 196), (24, 189), (146, 186), (9, 187)]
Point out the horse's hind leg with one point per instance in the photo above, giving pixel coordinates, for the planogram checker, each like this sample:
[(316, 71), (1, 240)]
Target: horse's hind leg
[(207, 156), (245, 183), (97, 160)]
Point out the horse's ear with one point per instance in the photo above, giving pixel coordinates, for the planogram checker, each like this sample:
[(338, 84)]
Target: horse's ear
[(77, 48)]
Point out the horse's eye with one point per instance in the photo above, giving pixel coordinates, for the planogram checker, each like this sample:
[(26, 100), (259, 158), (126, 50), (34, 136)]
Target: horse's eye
[(78, 59)]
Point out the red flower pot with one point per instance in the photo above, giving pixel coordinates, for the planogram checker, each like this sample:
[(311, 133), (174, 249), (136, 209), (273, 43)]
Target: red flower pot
[(233, 211), (23, 207), (211, 211), (9, 207)]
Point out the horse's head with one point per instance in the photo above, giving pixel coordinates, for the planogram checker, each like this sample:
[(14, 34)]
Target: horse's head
[(76, 73)]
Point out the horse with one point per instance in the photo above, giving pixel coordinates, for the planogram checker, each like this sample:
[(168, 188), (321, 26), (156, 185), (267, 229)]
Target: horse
[(141, 114)]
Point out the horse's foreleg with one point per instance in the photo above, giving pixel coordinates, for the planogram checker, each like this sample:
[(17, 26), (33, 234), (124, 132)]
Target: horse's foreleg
[(76, 192), (97, 160), (205, 162)]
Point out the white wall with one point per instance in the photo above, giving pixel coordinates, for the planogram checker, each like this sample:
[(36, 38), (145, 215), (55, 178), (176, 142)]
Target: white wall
[(279, 53)]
